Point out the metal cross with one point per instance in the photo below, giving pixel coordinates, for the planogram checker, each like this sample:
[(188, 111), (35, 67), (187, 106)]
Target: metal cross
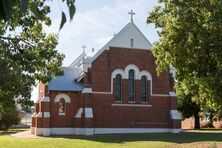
[(84, 47), (131, 13)]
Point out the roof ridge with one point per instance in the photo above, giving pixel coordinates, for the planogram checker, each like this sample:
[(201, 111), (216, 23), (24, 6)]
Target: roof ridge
[(145, 44), (82, 55)]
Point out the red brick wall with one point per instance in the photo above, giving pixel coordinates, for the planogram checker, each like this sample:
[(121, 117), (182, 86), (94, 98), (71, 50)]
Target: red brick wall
[(67, 120), (116, 58), (106, 115), (87, 79), (173, 103), (41, 90)]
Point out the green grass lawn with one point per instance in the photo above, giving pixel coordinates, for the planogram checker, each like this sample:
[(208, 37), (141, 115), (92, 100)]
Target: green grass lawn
[(188, 139)]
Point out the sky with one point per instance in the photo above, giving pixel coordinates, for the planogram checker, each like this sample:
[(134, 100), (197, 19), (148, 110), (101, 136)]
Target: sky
[(94, 24)]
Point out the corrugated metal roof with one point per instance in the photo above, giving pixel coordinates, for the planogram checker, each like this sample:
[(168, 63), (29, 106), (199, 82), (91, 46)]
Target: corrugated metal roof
[(67, 81)]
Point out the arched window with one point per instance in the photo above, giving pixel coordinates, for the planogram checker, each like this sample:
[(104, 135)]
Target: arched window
[(117, 87), (131, 86), (143, 89), (62, 105)]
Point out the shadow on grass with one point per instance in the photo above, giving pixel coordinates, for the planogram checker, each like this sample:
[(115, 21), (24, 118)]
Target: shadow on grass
[(12, 131), (155, 137), (204, 130), (184, 137)]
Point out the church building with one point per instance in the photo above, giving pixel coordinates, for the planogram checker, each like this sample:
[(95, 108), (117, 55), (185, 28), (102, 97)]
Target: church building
[(115, 91)]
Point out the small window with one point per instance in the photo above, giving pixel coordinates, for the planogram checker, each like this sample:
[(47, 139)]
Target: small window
[(131, 86), (117, 87), (143, 89), (131, 43), (62, 105)]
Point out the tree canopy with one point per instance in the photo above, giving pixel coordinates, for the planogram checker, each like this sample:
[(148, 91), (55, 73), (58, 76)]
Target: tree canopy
[(187, 107), (27, 53), (190, 41), (35, 7)]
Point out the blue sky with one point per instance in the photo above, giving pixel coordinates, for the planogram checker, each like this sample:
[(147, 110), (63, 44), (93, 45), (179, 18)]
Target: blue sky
[(95, 23)]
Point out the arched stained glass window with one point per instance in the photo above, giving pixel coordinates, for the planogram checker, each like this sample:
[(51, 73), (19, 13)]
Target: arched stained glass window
[(62, 105), (143, 89), (131, 86), (117, 87)]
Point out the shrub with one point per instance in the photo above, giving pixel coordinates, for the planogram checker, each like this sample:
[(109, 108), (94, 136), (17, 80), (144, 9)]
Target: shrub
[(9, 118)]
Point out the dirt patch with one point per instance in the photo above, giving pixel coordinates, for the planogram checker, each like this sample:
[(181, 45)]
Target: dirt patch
[(207, 130), (25, 135)]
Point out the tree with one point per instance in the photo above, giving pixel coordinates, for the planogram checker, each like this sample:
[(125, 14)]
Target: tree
[(9, 118), (187, 106), (27, 54), (212, 114), (190, 41), (7, 10)]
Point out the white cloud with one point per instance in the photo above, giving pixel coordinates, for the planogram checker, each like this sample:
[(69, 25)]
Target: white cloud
[(94, 27), (102, 40)]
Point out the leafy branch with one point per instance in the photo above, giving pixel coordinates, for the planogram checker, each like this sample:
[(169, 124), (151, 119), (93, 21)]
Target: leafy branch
[(6, 9), (17, 40)]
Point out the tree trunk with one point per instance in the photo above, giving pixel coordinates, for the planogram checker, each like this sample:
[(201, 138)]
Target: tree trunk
[(196, 121), (211, 120)]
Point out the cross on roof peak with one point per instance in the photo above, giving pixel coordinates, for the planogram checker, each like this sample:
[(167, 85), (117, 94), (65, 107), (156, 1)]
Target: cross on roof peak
[(84, 47), (131, 13)]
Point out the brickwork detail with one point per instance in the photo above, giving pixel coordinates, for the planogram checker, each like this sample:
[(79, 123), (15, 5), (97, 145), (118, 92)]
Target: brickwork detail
[(106, 115)]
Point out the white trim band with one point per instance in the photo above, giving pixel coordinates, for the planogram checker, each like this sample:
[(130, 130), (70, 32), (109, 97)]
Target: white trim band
[(39, 115), (175, 114), (124, 73), (176, 130), (87, 91), (46, 115), (45, 99), (160, 95), (72, 131), (172, 94), (132, 105), (131, 130), (32, 130), (173, 71), (62, 114), (92, 131), (34, 114), (88, 113), (43, 131)]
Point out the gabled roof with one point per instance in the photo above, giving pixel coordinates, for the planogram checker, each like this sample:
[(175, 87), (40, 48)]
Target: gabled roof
[(122, 39), (67, 81), (78, 60)]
